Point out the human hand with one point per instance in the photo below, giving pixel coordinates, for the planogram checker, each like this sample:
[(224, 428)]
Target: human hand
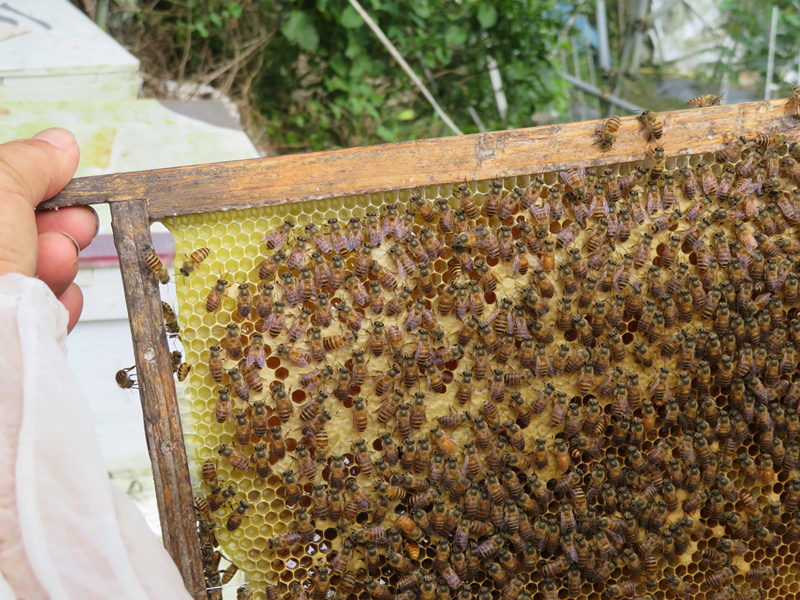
[(45, 244)]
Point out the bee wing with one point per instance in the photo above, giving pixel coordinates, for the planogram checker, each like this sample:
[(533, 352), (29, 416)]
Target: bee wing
[(709, 181), (515, 264), (653, 204), (465, 467), (434, 358), (579, 212), (592, 205), (747, 186), (401, 230), (637, 213), (566, 522), (354, 240), (401, 270), (547, 211), (571, 551), (493, 316), (616, 277), (787, 208), (268, 322), (556, 209), (565, 236), (418, 353), (521, 328), (613, 225), (582, 173)]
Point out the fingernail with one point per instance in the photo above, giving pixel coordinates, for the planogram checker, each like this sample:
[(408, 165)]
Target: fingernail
[(96, 221), (60, 138), (77, 247)]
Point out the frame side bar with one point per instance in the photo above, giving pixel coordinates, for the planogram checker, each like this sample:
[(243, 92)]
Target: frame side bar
[(162, 425), (300, 177)]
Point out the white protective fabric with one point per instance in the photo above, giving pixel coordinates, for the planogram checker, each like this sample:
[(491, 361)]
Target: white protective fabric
[(65, 532)]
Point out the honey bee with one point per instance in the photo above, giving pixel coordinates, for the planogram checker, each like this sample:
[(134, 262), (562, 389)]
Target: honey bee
[(170, 320), (653, 123), (235, 518), (183, 371), (194, 260), (763, 140), (656, 171), (236, 458), (125, 380), (607, 132), (793, 103), (276, 239), (214, 299), (153, 262), (703, 101)]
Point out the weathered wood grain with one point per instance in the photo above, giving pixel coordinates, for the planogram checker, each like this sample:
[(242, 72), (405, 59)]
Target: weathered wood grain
[(284, 179), (162, 424)]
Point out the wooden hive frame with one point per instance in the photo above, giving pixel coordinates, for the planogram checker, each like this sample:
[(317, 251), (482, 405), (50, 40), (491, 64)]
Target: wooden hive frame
[(138, 198)]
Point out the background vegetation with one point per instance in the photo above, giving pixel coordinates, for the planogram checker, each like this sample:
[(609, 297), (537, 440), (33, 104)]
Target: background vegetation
[(310, 75), (318, 78), (747, 24)]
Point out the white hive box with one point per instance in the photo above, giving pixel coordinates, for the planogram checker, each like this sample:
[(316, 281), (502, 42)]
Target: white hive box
[(59, 54)]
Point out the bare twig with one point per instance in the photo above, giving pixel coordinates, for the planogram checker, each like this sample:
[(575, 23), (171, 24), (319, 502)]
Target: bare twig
[(187, 46), (252, 47), (404, 65)]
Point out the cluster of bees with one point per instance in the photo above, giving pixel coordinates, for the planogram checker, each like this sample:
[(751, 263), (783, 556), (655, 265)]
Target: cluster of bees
[(541, 391), (126, 378)]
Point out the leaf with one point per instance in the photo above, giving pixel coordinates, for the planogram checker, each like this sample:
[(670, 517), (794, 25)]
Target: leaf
[(455, 36), (386, 134), (487, 15), (443, 55), (421, 8), (360, 66), (350, 18), (406, 115), (235, 9), (201, 29), (215, 19), (339, 64), (300, 30)]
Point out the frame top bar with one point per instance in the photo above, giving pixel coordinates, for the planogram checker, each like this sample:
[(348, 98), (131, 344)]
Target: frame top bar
[(370, 169)]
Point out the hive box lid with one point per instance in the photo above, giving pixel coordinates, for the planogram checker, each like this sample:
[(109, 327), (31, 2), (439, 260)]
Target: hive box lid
[(60, 56), (132, 135)]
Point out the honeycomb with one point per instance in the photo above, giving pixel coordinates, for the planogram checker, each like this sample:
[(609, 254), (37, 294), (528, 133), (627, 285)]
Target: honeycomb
[(682, 484)]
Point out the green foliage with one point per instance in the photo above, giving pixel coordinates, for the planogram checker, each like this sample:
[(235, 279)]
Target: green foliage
[(748, 25), (344, 88), (323, 80)]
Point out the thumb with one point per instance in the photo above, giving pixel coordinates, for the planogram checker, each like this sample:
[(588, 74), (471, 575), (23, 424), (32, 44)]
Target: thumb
[(30, 171)]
